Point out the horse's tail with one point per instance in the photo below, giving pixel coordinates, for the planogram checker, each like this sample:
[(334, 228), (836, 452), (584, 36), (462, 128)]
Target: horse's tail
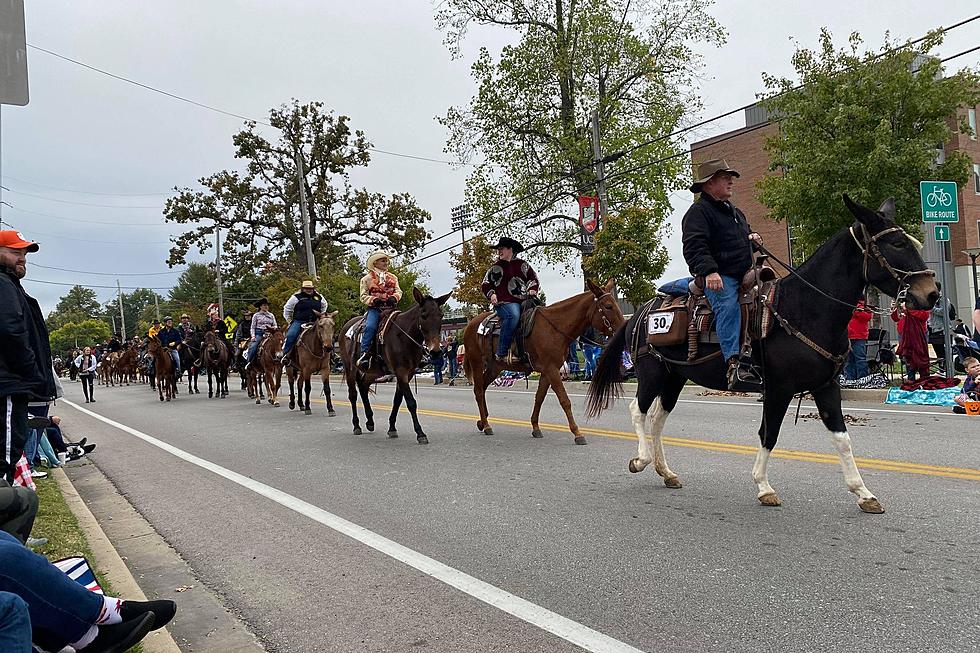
[(607, 380)]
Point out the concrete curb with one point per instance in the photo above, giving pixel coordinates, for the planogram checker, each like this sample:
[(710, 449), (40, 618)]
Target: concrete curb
[(110, 563)]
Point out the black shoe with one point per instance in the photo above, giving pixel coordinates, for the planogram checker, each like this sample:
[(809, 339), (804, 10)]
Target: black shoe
[(81, 442), (88, 448), (162, 611), (959, 410), (364, 362), (120, 637)]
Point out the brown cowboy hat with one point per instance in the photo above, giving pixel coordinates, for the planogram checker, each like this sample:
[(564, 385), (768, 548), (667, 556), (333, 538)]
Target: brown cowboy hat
[(709, 169)]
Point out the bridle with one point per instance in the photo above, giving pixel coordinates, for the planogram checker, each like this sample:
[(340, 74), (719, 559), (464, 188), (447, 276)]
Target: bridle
[(870, 250), (598, 307)]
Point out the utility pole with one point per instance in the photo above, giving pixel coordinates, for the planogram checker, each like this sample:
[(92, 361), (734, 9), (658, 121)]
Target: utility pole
[(122, 315), (600, 167), (217, 271), (301, 180), (156, 302)]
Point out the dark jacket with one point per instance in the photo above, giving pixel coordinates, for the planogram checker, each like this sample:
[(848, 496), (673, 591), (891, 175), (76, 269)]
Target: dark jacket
[(716, 239), (170, 337), (306, 307), (25, 354), (510, 280)]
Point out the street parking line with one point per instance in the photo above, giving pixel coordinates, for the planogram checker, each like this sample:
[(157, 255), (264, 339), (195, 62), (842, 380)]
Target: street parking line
[(962, 473), (552, 622)]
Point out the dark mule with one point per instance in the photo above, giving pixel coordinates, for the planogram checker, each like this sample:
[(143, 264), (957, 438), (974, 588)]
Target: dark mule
[(805, 358), (190, 360), (215, 356), (312, 356), (554, 329), (267, 366), (408, 337), (165, 373)]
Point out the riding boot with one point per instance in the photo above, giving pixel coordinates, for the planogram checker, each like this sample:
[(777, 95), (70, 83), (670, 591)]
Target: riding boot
[(743, 375)]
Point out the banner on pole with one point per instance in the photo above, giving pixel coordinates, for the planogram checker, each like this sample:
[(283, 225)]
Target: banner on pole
[(589, 221)]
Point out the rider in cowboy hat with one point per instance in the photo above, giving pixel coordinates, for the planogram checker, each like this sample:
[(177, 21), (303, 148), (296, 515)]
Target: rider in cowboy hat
[(186, 327), (506, 284), (379, 289), (262, 320), (171, 338), (718, 245), (300, 309)]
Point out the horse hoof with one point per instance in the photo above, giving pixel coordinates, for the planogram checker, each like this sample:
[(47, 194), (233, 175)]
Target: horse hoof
[(276, 404), (536, 433), (331, 413), (479, 425), (580, 439), (423, 440), (210, 395), (370, 426), (168, 398), (258, 401), (357, 430), (770, 499), (488, 431), (871, 506), (292, 405), (308, 411), (634, 467), (673, 482), (392, 434)]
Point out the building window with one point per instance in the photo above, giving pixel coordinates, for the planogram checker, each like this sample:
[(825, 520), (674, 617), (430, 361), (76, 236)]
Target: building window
[(976, 178), (971, 115)]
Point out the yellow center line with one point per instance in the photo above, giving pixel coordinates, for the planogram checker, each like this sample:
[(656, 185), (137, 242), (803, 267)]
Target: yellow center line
[(963, 473)]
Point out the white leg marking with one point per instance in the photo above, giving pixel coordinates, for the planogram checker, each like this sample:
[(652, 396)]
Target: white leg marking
[(852, 477), (643, 457), (760, 472), (657, 418)]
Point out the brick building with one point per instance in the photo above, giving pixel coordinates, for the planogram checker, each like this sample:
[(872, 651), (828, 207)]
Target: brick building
[(743, 149)]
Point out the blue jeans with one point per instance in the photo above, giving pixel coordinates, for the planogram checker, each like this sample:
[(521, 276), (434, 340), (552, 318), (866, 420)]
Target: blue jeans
[(370, 328), (728, 316), (437, 365), (174, 354), (453, 366), (591, 359), (857, 360), (59, 606), (254, 345), (15, 624), (510, 314), (291, 334), (573, 366)]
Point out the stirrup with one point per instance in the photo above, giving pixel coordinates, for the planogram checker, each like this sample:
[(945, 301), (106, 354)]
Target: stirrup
[(743, 375)]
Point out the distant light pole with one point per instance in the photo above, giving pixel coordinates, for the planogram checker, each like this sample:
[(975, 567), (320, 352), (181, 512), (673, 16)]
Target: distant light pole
[(462, 215), (974, 253)]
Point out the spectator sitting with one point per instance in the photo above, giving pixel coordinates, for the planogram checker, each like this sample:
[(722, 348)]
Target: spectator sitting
[(857, 332), (64, 613), (971, 386), (912, 344), (18, 509)]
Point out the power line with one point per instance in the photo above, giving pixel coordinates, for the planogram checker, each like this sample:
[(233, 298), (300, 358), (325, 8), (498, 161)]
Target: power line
[(60, 283), (111, 274), (208, 106), (89, 240), (104, 222), (82, 192), (104, 206)]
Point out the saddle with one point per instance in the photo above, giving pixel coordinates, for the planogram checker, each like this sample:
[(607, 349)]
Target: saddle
[(680, 313), (356, 331), (489, 328)]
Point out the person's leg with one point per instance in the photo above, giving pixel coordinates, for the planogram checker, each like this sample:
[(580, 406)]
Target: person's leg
[(175, 355), (728, 316), (292, 333), (15, 624), (13, 433), (254, 345), (859, 349), (509, 313), (370, 328), (47, 451), (30, 447), (18, 509)]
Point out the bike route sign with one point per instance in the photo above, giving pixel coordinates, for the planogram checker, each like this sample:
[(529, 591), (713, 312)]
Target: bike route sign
[(939, 201)]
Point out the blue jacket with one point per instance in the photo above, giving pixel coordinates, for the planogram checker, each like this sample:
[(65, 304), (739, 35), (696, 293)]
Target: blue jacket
[(170, 337)]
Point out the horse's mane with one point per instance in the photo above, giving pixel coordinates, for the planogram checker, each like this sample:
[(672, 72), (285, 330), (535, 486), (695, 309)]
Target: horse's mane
[(565, 303), (819, 256)]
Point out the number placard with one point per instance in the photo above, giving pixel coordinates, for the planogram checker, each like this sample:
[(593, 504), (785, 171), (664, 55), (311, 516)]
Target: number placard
[(660, 323)]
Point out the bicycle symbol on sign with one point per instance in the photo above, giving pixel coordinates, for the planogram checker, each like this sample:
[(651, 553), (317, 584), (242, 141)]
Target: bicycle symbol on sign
[(939, 196)]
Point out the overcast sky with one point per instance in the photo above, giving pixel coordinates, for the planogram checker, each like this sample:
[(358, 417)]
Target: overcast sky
[(378, 61)]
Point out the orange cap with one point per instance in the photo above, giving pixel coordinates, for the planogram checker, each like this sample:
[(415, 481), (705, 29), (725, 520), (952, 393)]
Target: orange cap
[(15, 240)]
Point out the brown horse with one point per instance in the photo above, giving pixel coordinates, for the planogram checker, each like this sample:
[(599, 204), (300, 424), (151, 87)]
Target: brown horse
[(555, 327), (126, 365), (166, 373), (408, 337), (267, 365), (310, 356), (215, 357)]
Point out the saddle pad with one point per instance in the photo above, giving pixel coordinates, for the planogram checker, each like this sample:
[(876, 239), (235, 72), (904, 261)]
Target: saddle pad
[(490, 326), (667, 322)]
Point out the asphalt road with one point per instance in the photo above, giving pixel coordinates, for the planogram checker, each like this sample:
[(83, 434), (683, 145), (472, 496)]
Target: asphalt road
[(616, 560)]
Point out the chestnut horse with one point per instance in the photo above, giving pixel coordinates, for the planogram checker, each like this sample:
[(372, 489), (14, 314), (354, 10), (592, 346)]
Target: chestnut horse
[(311, 355), (554, 329), (267, 365), (215, 356), (410, 334), (165, 373)]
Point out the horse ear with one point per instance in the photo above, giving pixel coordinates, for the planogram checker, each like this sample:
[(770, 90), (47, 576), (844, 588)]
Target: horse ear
[(333, 316), (887, 209), (419, 297), (591, 285), (870, 219), (444, 298), (610, 285)]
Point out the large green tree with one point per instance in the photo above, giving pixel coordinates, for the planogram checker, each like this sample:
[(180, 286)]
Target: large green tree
[(527, 127), (258, 208), (471, 265), (865, 123), (85, 333), (629, 252), (76, 305), (138, 308)]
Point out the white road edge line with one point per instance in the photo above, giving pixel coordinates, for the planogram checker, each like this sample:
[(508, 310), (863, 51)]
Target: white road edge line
[(552, 622)]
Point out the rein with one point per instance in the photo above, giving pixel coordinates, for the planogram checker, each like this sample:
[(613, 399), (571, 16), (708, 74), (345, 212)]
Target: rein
[(595, 305)]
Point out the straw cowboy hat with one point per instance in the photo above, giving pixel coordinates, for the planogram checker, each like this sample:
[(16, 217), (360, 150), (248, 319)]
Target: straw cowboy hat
[(709, 169), (308, 284), (378, 254)]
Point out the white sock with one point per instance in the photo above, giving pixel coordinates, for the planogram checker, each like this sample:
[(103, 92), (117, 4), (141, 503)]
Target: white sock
[(111, 612), (86, 639)]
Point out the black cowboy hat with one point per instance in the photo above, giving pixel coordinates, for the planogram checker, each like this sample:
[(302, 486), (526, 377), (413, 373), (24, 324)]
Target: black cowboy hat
[(509, 242), (258, 302)]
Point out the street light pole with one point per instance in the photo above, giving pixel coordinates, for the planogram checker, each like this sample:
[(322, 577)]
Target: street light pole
[(974, 253), (217, 270)]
